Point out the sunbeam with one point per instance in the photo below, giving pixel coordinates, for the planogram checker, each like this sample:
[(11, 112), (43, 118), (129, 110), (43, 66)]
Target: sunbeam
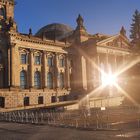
[(126, 95), (110, 79)]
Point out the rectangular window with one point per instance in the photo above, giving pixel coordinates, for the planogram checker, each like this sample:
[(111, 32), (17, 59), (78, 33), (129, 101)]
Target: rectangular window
[(26, 101), (53, 99), (23, 59), (40, 100), (61, 62), (37, 60), (2, 102), (50, 61)]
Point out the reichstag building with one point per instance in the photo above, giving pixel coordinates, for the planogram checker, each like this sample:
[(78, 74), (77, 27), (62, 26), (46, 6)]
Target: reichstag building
[(56, 64)]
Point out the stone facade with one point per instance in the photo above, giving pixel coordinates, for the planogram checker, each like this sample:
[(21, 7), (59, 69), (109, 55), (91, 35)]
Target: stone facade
[(70, 56)]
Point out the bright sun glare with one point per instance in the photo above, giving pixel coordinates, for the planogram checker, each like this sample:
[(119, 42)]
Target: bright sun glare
[(108, 79)]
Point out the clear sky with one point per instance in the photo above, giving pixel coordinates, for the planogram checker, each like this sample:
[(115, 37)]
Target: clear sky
[(100, 16)]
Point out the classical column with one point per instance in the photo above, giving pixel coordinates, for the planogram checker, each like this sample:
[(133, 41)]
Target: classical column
[(93, 72), (67, 72), (1, 77), (57, 70), (31, 63), (56, 82), (54, 71), (11, 55), (99, 73), (9, 66), (44, 74)]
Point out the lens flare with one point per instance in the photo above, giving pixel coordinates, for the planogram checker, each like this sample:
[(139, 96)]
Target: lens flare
[(108, 79)]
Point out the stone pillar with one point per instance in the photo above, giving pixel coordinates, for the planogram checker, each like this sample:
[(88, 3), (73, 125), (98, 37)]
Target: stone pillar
[(68, 72), (57, 70), (31, 63), (99, 72), (54, 71), (44, 74), (93, 73), (1, 77), (12, 65), (9, 66), (56, 82)]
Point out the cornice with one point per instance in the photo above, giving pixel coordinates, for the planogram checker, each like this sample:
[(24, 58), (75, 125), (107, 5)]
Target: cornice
[(32, 39)]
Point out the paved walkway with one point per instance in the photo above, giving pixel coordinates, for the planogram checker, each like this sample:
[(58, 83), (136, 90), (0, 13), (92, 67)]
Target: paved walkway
[(14, 131)]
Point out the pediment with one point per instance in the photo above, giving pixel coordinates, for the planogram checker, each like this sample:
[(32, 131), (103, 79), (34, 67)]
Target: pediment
[(118, 41)]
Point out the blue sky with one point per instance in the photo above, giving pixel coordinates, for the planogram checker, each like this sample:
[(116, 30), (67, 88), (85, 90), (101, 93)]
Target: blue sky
[(100, 16)]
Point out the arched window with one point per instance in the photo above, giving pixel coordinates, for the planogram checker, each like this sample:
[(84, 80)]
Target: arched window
[(50, 80), (0, 57), (61, 80), (37, 80), (2, 12), (50, 61), (23, 79)]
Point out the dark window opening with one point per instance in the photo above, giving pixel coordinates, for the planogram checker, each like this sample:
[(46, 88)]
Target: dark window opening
[(26, 101), (53, 99), (40, 100), (2, 102), (3, 12)]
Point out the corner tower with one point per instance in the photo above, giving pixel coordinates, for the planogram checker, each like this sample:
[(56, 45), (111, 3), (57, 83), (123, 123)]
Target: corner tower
[(80, 32), (7, 14), (7, 9)]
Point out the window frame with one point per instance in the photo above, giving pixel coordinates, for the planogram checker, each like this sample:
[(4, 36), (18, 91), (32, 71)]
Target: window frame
[(26, 101), (61, 61), (37, 59), (24, 60), (49, 80), (40, 100), (23, 79), (61, 80), (50, 61), (37, 80)]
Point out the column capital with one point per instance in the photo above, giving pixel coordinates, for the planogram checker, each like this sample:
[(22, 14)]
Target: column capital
[(31, 50), (44, 52)]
